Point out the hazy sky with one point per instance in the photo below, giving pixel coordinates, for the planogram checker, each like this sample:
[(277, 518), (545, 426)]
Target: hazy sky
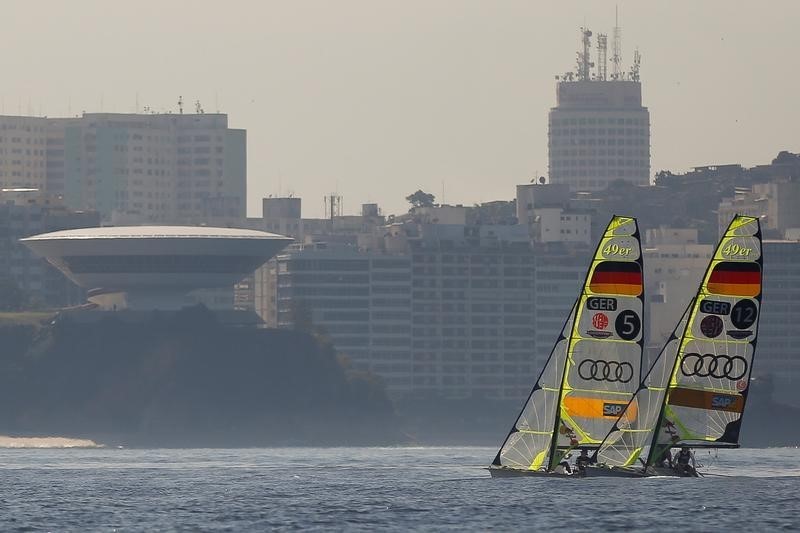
[(376, 99)]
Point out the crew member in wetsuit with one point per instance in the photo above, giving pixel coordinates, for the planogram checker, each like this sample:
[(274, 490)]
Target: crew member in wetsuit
[(582, 462), (682, 460), (565, 464), (666, 460)]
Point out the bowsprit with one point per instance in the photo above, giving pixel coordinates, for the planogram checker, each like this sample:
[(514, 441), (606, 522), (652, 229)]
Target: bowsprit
[(715, 366), (600, 370)]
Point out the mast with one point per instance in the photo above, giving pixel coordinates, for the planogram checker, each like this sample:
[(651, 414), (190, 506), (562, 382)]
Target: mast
[(551, 464)]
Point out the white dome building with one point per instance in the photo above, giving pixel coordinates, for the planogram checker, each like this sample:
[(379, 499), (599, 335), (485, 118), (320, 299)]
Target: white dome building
[(154, 267)]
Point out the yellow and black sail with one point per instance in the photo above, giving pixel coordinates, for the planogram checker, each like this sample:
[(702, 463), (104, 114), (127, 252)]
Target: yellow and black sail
[(594, 367), (695, 392), (710, 378)]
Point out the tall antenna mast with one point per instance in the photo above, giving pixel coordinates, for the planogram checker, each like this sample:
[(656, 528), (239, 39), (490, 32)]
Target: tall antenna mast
[(616, 58), (602, 53), (584, 61)]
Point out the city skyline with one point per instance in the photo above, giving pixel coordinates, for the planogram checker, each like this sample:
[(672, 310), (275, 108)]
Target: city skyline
[(376, 101)]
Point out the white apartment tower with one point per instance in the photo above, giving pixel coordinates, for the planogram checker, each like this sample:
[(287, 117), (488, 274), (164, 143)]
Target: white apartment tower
[(599, 132), (132, 168)]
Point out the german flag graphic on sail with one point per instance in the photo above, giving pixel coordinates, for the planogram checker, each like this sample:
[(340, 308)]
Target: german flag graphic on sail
[(735, 279), (617, 277)]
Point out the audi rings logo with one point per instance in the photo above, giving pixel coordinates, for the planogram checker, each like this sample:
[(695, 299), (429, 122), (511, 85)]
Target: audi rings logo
[(611, 371), (715, 366)]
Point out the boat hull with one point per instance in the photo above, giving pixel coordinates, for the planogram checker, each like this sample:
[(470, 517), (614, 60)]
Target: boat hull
[(512, 472), (611, 471)]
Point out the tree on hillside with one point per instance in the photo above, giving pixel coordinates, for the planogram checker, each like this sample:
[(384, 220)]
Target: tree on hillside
[(421, 199)]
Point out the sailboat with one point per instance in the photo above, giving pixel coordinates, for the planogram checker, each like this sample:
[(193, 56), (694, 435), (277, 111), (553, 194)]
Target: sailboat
[(695, 392), (594, 367)]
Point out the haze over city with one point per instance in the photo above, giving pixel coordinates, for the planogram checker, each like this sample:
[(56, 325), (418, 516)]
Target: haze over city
[(374, 100)]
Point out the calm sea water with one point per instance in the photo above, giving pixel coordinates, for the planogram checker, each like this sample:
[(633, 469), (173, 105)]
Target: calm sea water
[(376, 489)]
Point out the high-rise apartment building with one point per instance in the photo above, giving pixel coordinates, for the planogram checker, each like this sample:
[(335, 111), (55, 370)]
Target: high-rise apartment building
[(439, 310), (23, 147), (26, 212), (560, 273), (599, 132), (131, 168), (472, 311), (778, 334), (360, 300)]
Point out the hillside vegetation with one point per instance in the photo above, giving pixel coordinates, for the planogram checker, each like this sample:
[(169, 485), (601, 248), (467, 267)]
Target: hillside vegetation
[(185, 380)]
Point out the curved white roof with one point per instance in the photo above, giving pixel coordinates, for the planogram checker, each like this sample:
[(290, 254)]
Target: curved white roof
[(156, 232)]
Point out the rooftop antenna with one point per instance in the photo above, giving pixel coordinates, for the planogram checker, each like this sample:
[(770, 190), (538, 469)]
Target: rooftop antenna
[(584, 63), (602, 54), (616, 57), (637, 62), (333, 205), (180, 105)]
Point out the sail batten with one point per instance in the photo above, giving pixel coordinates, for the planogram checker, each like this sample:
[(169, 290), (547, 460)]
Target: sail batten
[(594, 367)]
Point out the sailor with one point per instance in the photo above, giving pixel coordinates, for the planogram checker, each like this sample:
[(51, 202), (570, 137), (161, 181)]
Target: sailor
[(666, 460), (564, 466), (682, 460), (583, 461)]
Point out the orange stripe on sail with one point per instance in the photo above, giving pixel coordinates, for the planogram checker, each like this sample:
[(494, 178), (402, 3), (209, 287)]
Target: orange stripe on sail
[(735, 289), (622, 289), (701, 399), (582, 407)]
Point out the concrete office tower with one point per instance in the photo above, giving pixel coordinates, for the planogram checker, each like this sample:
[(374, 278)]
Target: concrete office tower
[(599, 132)]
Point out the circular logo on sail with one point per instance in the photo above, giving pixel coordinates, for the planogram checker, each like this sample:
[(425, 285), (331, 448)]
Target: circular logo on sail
[(611, 371), (715, 366), (600, 321), (711, 326)]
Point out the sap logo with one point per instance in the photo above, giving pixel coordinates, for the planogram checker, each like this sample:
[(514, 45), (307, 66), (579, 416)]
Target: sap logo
[(602, 304), (613, 409), (713, 307), (722, 402)]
